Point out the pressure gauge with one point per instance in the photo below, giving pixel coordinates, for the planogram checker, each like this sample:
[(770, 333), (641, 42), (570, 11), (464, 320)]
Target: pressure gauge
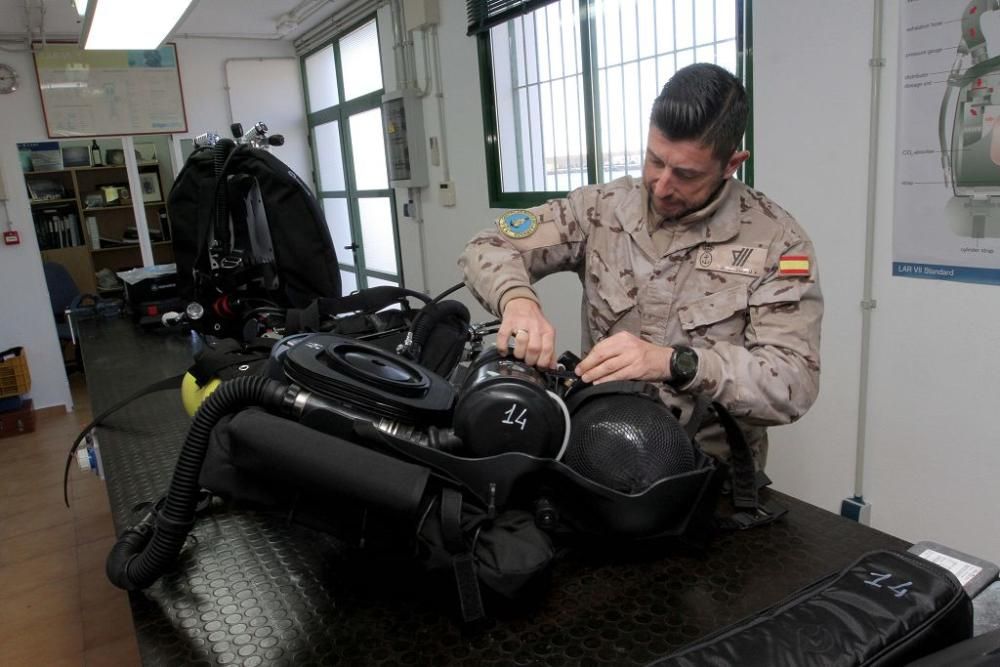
[(8, 79)]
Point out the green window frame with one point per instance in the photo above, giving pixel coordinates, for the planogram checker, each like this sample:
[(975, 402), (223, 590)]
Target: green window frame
[(486, 24), (341, 113)]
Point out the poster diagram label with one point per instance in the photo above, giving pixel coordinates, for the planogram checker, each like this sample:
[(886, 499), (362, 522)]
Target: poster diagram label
[(947, 208)]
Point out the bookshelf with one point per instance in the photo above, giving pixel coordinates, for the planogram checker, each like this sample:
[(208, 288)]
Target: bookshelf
[(84, 218)]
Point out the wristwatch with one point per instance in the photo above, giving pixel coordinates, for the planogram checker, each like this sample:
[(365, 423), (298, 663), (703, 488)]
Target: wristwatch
[(683, 366)]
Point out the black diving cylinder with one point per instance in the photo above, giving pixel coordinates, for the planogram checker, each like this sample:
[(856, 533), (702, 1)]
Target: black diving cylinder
[(505, 406)]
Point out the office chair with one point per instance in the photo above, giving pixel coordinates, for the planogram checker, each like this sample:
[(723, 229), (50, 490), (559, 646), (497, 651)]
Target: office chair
[(68, 307)]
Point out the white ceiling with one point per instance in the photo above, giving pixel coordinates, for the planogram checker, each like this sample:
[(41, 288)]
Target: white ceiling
[(235, 18)]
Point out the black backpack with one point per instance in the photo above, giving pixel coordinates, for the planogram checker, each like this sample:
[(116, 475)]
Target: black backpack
[(247, 232)]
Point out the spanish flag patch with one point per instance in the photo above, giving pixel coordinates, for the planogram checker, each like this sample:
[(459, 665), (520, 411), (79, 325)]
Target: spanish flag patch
[(793, 265)]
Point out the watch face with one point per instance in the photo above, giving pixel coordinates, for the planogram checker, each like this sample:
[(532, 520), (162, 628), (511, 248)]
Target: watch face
[(8, 79), (683, 364)]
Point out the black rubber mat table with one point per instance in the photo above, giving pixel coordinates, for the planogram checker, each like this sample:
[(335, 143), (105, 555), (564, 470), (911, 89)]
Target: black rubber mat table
[(252, 590)]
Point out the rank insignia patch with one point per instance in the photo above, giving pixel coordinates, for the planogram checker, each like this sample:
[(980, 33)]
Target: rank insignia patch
[(518, 224), (793, 265)]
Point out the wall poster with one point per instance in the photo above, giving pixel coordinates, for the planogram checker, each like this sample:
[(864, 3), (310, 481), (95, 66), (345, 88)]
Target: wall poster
[(947, 206), (95, 93)]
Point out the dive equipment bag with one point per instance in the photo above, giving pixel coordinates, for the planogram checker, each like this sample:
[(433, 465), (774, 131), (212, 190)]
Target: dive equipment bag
[(886, 608)]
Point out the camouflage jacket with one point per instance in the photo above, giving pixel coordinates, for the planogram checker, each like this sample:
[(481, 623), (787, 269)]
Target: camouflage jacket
[(736, 280)]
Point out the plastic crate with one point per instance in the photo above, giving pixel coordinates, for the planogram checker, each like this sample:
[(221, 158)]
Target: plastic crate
[(14, 376), (17, 422)]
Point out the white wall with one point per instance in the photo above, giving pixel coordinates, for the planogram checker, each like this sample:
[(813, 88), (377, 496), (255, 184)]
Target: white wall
[(934, 377), (930, 455), (25, 315), (811, 104)]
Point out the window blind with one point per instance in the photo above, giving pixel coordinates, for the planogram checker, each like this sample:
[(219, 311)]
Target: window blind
[(484, 14)]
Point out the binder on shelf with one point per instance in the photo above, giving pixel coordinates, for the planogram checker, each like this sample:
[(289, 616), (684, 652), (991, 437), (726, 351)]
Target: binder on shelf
[(93, 233)]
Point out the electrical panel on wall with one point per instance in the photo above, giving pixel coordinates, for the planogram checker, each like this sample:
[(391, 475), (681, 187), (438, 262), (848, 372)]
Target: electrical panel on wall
[(403, 123)]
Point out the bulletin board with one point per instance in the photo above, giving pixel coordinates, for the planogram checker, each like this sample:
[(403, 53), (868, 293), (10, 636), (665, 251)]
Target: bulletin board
[(95, 93)]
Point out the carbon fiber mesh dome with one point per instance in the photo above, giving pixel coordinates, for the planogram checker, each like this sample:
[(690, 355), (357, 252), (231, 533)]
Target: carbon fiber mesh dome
[(627, 443)]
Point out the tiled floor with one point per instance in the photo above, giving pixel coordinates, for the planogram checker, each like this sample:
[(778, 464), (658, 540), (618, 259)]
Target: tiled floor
[(56, 606)]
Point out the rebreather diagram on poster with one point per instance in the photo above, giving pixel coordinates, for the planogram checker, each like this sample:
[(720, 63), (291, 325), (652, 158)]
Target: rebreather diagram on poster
[(947, 206)]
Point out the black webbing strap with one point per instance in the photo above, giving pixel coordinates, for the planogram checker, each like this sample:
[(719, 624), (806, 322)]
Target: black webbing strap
[(767, 511), (744, 477), (227, 353), (451, 520), (238, 189), (636, 387), (698, 414), (302, 319), (746, 480), (211, 360), (463, 562)]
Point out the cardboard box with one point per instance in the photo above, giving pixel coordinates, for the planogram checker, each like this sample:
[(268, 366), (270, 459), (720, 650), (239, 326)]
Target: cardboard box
[(18, 421)]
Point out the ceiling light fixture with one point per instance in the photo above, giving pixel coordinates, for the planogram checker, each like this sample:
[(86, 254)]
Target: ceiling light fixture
[(81, 6), (131, 24)]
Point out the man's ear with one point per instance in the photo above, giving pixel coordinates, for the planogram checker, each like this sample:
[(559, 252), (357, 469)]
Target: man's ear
[(738, 158)]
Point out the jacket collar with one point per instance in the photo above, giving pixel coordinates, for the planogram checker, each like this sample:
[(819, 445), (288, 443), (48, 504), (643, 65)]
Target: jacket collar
[(716, 222)]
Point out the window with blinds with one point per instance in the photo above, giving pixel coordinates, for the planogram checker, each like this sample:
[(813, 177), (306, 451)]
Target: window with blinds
[(568, 84)]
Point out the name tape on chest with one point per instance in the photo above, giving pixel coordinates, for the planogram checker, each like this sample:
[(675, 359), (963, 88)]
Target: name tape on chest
[(744, 260), (517, 224)]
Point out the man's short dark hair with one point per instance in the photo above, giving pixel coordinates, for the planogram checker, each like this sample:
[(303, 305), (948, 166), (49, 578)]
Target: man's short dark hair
[(706, 103)]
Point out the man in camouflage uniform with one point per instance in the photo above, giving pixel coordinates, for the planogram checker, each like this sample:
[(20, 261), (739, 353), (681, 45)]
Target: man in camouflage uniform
[(691, 279)]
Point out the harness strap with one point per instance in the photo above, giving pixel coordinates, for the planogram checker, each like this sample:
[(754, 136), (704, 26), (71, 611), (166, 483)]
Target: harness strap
[(208, 364), (463, 561), (451, 520), (302, 319), (698, 414), (766, 512), (744, 475), (746, 480)]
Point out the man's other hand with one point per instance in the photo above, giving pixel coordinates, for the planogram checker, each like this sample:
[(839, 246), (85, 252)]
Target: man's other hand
[(533, 337), (625, 357)]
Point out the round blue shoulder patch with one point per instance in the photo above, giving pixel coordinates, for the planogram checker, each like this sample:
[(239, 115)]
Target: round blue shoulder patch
[(518, 224)]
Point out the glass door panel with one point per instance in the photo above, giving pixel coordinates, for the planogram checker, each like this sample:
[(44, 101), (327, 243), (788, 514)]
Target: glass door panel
[(348, 282), (378, 235), (329, 157), (378, 282), (344, 90), (339, 222), (368, 147)]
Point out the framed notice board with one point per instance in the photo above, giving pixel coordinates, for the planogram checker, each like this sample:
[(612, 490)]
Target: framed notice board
[(94, 93)]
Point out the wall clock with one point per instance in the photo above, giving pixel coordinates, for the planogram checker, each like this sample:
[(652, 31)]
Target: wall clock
[(8, 79)]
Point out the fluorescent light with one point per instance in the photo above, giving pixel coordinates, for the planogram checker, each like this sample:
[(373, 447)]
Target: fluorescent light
[(81, 6), (131, 24)]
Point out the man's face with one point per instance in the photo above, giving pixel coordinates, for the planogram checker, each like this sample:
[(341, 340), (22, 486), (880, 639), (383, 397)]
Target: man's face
[(681, 175)]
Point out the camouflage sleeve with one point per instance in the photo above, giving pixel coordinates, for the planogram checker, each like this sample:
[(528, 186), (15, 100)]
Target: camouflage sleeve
[(495, 262), (774, 377)]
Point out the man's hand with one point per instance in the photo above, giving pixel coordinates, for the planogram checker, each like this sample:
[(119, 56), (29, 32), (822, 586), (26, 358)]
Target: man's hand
[(625, 357), (534, 337)]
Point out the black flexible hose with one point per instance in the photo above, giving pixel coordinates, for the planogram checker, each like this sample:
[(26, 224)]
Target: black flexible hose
[(145, 551), (429, 317), (221, 154), (419, 327)]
